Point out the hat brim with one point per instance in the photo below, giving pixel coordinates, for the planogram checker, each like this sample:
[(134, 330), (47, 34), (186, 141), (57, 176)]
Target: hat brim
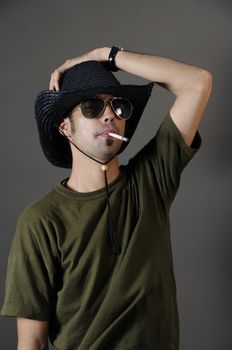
[(52, 106)]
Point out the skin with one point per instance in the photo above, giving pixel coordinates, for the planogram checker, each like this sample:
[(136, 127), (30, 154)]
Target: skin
[(191, 87), (32, 334), (91, 136)]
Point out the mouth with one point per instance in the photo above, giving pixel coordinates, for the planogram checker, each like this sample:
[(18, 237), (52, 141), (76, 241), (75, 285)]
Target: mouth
[(106, 133), (112, 135)]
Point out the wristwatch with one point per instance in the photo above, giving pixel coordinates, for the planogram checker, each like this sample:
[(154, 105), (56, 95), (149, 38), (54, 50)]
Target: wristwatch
[(111, 59)]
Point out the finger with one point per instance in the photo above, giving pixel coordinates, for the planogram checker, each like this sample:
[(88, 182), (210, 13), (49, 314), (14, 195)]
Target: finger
[(58, 72), (51, 85), (54, 81), (56, 78)]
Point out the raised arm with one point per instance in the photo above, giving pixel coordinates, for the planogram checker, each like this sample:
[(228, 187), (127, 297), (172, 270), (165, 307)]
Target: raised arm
[(32, 334), (190, 84)]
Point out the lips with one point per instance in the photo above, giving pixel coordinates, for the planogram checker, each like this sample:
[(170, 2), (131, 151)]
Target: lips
[(105, 133)]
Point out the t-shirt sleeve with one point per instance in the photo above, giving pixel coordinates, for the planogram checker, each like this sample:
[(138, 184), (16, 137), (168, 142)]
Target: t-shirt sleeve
[(31, 271), (161, 162)]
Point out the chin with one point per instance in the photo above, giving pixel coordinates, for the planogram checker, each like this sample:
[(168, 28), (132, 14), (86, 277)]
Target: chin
[(108, 154), (106, 149)]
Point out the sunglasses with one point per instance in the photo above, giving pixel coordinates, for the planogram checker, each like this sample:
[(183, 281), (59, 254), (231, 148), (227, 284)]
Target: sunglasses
[(94, 107)]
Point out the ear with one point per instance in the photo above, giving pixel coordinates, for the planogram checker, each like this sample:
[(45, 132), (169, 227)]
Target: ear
[(65, 127)]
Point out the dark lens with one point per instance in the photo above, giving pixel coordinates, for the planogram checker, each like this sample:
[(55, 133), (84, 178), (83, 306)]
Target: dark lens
[(92, 107), (122, 107)]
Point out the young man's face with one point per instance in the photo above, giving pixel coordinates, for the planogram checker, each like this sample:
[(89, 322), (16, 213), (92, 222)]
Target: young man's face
[(91, 135)]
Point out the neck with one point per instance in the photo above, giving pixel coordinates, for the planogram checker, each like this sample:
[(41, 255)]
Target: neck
[(87, 175)]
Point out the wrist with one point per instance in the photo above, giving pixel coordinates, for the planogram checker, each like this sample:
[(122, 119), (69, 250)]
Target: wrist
[(112, 58), (101, 54)]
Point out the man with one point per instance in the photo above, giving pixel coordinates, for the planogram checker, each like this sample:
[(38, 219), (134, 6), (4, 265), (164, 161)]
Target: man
[(90, 264)]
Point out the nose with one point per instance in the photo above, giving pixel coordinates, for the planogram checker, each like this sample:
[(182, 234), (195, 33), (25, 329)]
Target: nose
[(108, 115)]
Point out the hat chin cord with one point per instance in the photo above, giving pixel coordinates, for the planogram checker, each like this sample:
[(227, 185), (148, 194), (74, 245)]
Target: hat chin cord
[(104, 167)]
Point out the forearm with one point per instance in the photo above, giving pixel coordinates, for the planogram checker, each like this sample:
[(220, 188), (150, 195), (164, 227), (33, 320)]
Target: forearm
[(175, 76), (32, 334), (37, 345)]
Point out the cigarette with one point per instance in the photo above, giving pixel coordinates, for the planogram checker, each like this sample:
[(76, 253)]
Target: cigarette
[(116, 136)]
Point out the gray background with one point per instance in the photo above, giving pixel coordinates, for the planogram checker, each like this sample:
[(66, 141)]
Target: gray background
[(36, 37)]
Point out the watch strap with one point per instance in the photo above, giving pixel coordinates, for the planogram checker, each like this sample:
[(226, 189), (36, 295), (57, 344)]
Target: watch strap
[(111, 58)]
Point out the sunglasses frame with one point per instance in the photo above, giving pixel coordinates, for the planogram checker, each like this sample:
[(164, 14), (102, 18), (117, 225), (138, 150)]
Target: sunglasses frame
[(107, 101)]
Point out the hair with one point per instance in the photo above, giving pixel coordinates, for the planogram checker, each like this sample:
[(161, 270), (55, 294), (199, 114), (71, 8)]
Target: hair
[(73, 128)]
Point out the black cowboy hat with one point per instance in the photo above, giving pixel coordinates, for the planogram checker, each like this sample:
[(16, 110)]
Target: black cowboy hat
[(77, 83)]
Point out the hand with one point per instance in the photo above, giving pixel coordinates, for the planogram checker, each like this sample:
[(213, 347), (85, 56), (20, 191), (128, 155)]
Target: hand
[(99, 54)]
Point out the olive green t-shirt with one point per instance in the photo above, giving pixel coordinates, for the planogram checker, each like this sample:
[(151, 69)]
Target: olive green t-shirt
[(61, 267)]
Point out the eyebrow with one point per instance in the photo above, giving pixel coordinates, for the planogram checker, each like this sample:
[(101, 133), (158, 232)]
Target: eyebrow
[(103, 95)]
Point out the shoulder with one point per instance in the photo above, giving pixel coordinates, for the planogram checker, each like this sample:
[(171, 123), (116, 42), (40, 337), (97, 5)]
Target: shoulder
[(42, 207), (35, 227), (45, 206), (38, 218), (167, 141)]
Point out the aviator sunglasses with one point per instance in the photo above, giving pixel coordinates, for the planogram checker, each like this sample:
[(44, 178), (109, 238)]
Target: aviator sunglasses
[(94, 107)]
